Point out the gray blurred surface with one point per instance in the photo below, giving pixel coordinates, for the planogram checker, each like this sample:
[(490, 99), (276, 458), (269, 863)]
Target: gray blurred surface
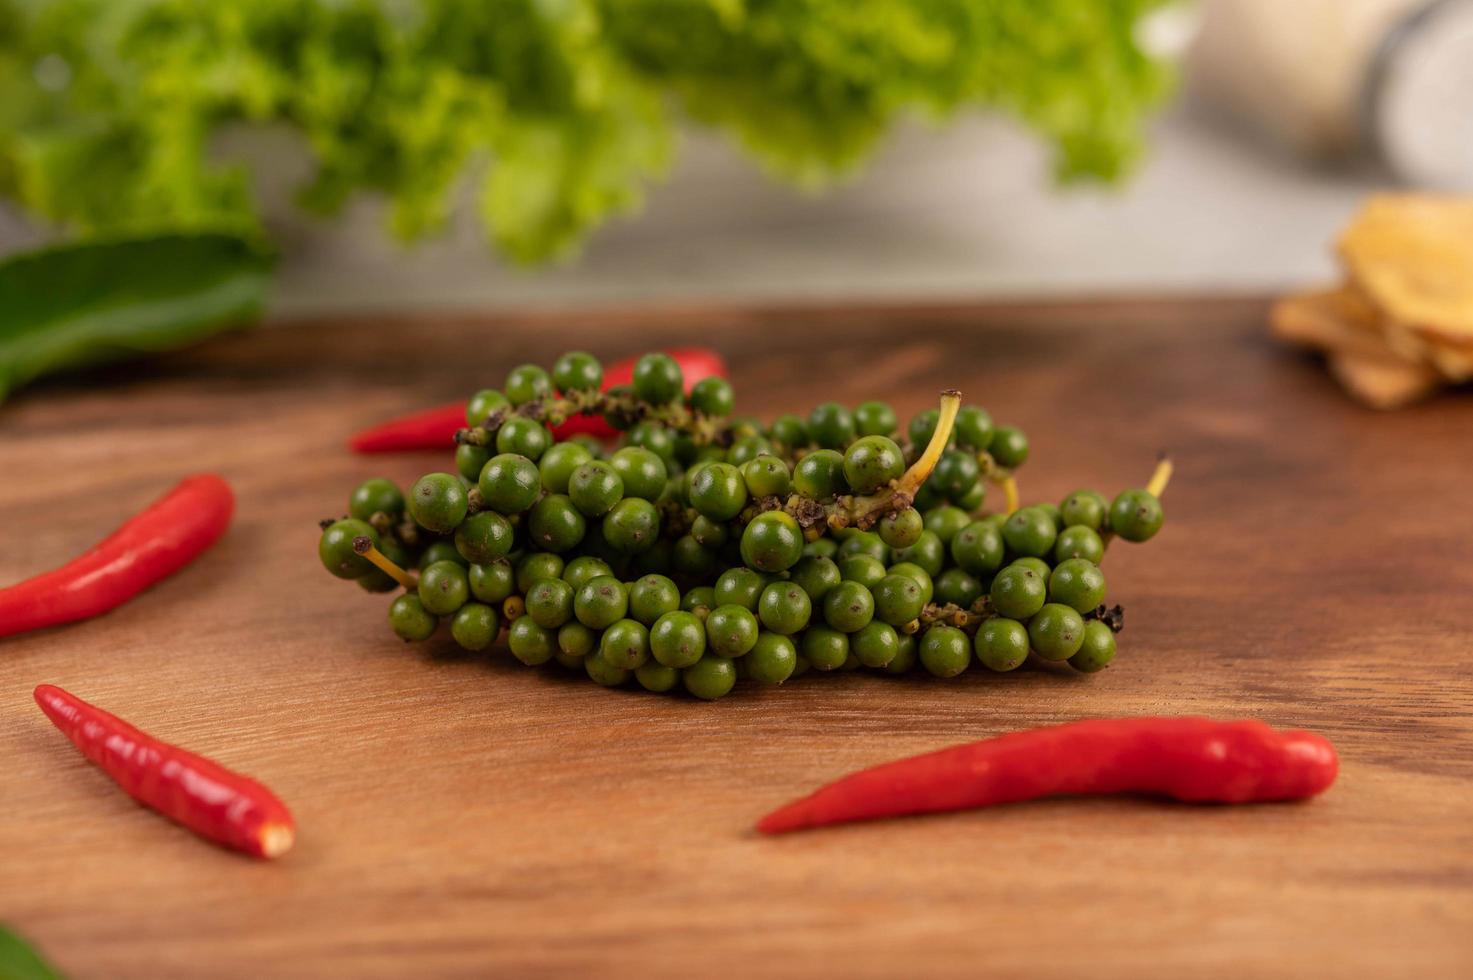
[(967, 211)]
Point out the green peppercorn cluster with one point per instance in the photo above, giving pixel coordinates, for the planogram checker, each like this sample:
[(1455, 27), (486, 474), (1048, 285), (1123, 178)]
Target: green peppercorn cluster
[(706, 548)]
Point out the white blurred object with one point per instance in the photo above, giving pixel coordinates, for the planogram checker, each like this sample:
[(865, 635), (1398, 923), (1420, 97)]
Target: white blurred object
[(1337, 77)]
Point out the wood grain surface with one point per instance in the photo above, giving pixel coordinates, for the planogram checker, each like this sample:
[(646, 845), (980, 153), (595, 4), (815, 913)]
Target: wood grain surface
[(466, 816)]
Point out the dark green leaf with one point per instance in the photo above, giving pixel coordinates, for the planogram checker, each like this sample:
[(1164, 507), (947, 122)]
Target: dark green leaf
[(76, 305), (18, 961)]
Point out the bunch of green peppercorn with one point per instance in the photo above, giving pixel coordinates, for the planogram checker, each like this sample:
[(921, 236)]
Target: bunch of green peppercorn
[(706, 548)]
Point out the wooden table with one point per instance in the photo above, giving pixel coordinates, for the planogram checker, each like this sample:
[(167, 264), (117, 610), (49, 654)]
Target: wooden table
[(468, 816)]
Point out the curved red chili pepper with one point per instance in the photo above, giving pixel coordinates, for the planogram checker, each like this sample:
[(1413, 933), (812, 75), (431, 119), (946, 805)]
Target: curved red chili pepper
[(212, 801), (1195, 760), (435, 428), (151, 545)]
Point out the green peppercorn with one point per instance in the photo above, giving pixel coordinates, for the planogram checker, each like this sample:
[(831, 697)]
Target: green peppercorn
[(712, 396), (973, 428), (1018, 592), (923, 426), (972, 500), (1001, 644), (410, 620), (555, 524), (789, 430), (872, 462), (978, 548), (657, 677), (856, 542), (957, 587), (438, 503), (600, 602), (632, 526), (874, 419), (525, 383), (595, 487), (772, 660), (583, 568), (576, 640), (652, 597), (474, 626), (945, 651), (335, 548), (946, 522), (899, 599), (928, 552), (1009, 447), (709, 533), (1086, 508), (784, 608), (376, 496), (710, 678), (1078, 584), (444, 587), (772, 542), (491, 583), (864, 569), (820, 474), (731, 630), (535, 567), (767, 476), (530, 643), (905, 655), (822, 548), (815, 576), (956, 473), (644, 473), (603, 673), (1097, 649), (717, 491), (523, 436), (743, 451), (482, 404), (848, 607), (550, 603), (701, 597), (876, 644), (831, 426), (658, 379), (824, 648), (1030, 531), (654, 437), (469, 459), (678, 639), (1056, 632), (918, 574), (558, 463), (509, 483), (484, 537), (1079, 542), (1136, 515), (577, 371), (625, 644)]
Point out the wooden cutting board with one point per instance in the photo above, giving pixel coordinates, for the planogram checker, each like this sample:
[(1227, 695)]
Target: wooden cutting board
[(469, 816)]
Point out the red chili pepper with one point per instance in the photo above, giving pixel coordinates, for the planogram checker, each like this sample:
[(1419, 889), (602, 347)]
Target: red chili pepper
[(204, 796), (435, 428), (1195, 760), (151, 545)]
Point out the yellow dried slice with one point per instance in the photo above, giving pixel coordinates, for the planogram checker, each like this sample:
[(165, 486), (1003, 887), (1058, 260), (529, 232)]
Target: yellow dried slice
[(1412, 257), (1382, 382)]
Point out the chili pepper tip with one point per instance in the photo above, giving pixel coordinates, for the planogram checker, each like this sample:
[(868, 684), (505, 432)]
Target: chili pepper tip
[(276, 839)]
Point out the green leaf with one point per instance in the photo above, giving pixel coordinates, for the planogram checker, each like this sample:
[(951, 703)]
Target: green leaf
[(76, 305), (18, 961)]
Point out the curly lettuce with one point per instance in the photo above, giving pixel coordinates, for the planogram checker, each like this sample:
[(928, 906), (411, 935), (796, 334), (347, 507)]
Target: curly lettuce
[(565, 111)]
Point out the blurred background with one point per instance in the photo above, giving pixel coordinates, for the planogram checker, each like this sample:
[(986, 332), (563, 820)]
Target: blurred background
[(1220, 143)]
